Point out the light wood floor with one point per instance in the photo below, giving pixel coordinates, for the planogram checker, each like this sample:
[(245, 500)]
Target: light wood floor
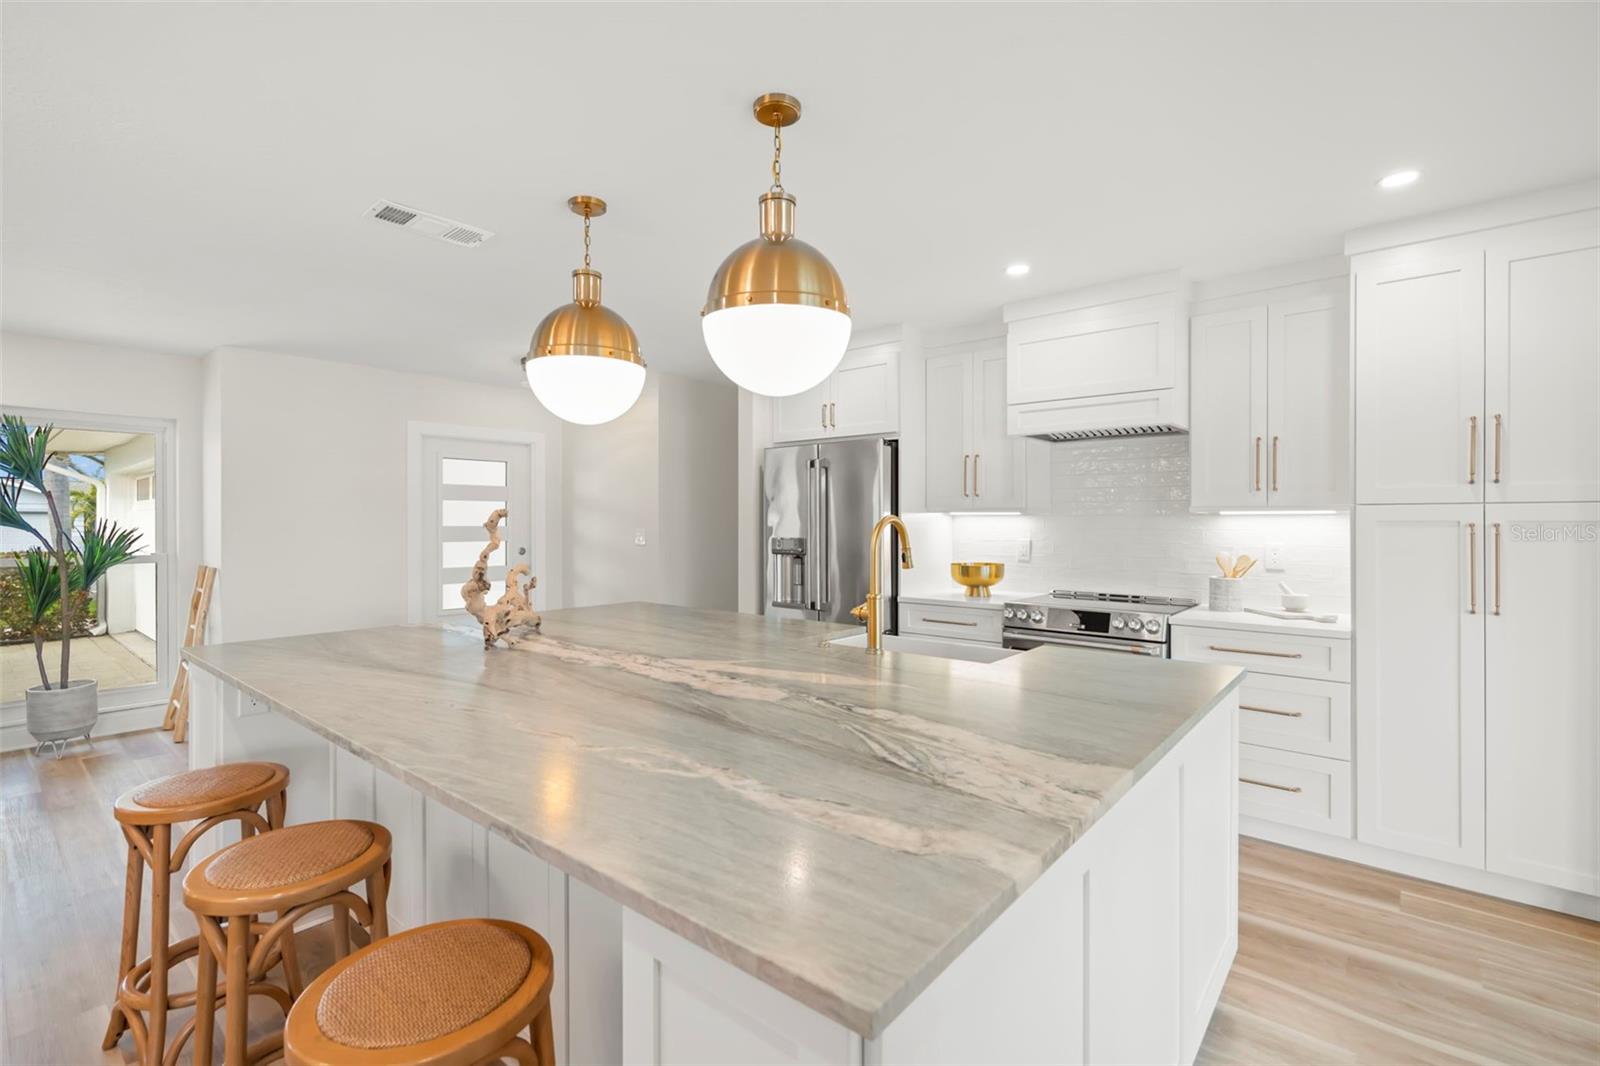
[(1337, 963)]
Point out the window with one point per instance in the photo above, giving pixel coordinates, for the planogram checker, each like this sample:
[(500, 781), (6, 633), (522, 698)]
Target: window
[(101, 472)]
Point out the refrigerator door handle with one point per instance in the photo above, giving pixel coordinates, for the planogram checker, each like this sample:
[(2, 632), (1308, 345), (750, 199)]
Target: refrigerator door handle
[(810, 534), (823, 516)]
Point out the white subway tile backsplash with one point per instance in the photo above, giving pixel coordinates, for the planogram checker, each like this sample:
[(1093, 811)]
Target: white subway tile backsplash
[(1120, 522)]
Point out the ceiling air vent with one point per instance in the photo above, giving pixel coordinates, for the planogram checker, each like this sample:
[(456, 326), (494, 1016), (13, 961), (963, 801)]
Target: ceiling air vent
[(436, 226)]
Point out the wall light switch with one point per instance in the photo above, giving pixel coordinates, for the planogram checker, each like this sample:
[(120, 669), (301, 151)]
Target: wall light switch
[(1274, 558), (638, 537), (1024, 550)]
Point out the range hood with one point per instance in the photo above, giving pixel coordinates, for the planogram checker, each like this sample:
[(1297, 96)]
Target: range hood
[(1107, 361)]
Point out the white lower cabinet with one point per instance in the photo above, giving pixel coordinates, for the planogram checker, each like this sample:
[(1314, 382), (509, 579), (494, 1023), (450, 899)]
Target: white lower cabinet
[(1294, 721), (1478, 687)]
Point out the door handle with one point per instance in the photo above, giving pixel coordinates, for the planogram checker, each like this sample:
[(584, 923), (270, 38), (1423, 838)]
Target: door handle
[(1497, 421), (824, 535), (1496, 527), (975, 458), (824, 416), (1258, 464), (1472, 568), (833, 423), (1274, 463), (1472, 449), (964, 459)]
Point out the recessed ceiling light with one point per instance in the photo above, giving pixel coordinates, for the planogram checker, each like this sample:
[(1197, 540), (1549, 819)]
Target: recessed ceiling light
[(1016, 270), (1399, 179)]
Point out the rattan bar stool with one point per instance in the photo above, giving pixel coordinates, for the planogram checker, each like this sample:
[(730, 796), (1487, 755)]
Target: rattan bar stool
[(290, 872), (210, 797), (450, 994)]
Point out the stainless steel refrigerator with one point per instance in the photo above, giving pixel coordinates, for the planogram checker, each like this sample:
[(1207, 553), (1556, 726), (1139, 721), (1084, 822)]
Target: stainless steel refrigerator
[(819, 503)]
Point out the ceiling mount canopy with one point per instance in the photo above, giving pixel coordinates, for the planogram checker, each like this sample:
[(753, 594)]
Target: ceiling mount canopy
[(776, 319), (583, 362)]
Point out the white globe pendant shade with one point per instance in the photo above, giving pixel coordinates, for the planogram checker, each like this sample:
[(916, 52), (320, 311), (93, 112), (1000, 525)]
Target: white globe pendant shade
[(585, 389), (776, 349)]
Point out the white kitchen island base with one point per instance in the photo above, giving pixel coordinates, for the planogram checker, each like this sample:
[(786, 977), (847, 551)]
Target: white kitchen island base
[(1118, 953)]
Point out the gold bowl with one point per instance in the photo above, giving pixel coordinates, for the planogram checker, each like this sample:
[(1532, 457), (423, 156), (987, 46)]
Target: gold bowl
[(977, 577)]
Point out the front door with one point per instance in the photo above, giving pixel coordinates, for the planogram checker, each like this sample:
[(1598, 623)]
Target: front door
[(464, 481)]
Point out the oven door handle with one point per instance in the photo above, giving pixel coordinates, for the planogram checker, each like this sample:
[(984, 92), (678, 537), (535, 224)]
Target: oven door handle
[(1092, 643)]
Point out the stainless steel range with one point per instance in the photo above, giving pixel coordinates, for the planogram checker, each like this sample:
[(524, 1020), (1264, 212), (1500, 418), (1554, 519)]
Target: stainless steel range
[(1102, 621)]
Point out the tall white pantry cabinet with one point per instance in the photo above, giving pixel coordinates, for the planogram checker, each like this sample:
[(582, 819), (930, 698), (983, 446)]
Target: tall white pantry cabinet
[(1477, 549)]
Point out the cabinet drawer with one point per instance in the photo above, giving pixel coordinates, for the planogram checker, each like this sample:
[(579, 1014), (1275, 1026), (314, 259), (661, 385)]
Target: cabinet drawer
[(1295, 714), (951, 623), (1287, 654), (1301, 790)]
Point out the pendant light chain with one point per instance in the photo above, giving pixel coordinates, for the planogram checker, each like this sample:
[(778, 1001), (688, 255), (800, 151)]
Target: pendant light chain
[(777, 158)]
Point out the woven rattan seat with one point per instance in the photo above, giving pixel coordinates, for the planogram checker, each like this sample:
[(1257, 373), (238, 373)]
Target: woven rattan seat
[(201, 786), (421, 987), (456, 993), (290, 855)]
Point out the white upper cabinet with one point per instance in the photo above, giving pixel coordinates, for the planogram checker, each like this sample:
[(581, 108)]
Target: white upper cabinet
[(972, 464), (861, 397), (1269, 403), (1542, 685), (1419, 691), (1542, 381), (1419, 375), (1308, 402), (1228, 409)]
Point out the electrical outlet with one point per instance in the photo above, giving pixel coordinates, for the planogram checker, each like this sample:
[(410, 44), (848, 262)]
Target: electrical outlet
[(638, 537), (1024, 550), (1274, 558)]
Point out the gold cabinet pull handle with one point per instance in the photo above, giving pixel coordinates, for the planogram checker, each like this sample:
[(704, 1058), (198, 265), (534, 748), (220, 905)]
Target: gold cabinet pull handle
[(1274, 463), (1272, 710), (975, 458), (1269, 784), (833, 423), (1497, 421), (964, 459), (1253, 651), (948, 622), (1258, 464), (1496, 527), (1472, 449), (1472, 568)]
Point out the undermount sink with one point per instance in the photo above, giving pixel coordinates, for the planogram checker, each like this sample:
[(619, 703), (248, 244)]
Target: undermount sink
[(940, 649)]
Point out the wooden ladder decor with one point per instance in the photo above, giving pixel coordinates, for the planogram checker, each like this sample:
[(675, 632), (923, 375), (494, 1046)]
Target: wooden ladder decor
[(177, 716)]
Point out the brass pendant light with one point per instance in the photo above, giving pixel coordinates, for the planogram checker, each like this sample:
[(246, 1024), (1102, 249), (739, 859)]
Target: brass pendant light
[(584, 363), (776, 319)]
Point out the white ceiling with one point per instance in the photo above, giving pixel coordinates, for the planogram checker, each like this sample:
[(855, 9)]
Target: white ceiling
[(185, 176)]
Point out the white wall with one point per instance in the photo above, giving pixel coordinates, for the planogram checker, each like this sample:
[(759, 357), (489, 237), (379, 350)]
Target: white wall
[(1119, 522), (307, 482), (611, 492), (699, 492)]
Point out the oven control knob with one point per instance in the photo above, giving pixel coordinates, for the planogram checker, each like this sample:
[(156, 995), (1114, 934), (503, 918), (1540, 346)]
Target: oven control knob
[(1151, 625), (1037, 617), (1118, 622), (1007, 613)]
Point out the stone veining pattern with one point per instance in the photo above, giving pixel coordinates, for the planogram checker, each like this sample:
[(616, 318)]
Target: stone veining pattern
[(838, 825)]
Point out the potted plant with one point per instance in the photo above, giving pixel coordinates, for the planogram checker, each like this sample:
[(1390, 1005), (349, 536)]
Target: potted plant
[(69, 562)]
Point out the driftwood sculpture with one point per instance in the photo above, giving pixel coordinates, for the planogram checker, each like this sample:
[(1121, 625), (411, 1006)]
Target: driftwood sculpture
[(514, 610)]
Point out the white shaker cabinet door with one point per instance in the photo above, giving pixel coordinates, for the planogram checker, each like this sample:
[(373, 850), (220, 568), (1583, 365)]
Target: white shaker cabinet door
[(1543, 693), (1419, 377), (1419, 680), (1228, 409), (1542, 403), (866, 392), (1308, 403), (803, 416), (999, 463), (948, 407)]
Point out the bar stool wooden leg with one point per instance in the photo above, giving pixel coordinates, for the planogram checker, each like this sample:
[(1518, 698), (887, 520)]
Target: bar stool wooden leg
[(293, 977), (205, 1005), (237, 1005), (133, 896), (341, 932), (544, 1038), (160, 921), (378, 900), (518, 1050)]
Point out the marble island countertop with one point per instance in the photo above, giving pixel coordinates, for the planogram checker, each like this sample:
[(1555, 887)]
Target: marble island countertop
[(838, 825)]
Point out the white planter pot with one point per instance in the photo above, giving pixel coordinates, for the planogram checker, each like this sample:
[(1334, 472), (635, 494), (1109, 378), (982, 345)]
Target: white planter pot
[(57, 714)]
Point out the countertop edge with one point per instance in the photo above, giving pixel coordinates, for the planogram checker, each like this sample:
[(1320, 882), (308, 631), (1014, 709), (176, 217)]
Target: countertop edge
[(1244, 622), (865, 1021)]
